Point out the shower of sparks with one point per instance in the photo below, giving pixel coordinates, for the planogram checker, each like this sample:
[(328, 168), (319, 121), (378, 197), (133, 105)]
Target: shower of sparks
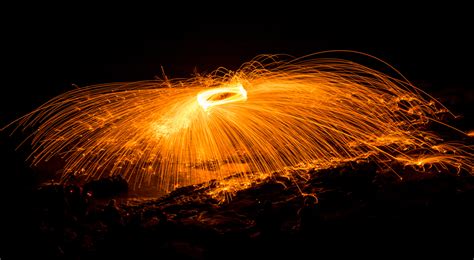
[(267, 116)]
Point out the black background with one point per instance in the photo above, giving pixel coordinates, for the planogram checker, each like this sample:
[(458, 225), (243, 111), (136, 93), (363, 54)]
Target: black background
[(43, 55)]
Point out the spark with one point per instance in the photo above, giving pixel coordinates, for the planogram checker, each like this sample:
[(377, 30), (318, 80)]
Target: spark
[(268, 115), (470, 133)]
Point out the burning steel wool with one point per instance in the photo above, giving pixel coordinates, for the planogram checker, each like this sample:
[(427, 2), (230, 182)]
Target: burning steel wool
[(267, 116)]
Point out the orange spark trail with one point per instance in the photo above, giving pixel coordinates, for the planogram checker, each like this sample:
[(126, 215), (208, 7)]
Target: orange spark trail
[(262, 118)]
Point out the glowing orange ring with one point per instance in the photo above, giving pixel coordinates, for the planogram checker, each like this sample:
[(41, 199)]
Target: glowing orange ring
[(220, 96)]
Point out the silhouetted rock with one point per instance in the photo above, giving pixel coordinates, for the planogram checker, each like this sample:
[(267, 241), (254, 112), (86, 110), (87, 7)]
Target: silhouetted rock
[(353, 205), (107, 187)]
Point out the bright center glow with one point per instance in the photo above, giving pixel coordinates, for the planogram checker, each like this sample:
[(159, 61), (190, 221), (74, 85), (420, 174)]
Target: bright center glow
[(220, 96)]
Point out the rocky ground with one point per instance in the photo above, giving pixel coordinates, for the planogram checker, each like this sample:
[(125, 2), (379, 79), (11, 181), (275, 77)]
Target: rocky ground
[(353, 209)]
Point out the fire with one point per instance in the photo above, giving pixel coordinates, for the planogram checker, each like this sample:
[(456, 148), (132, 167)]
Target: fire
[(259, 119)]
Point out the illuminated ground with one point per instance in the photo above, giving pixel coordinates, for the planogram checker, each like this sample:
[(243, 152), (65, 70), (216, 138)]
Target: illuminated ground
[(359, 210)]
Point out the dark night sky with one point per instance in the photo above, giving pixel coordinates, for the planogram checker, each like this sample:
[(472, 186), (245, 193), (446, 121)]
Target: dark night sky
[(45, 57)]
